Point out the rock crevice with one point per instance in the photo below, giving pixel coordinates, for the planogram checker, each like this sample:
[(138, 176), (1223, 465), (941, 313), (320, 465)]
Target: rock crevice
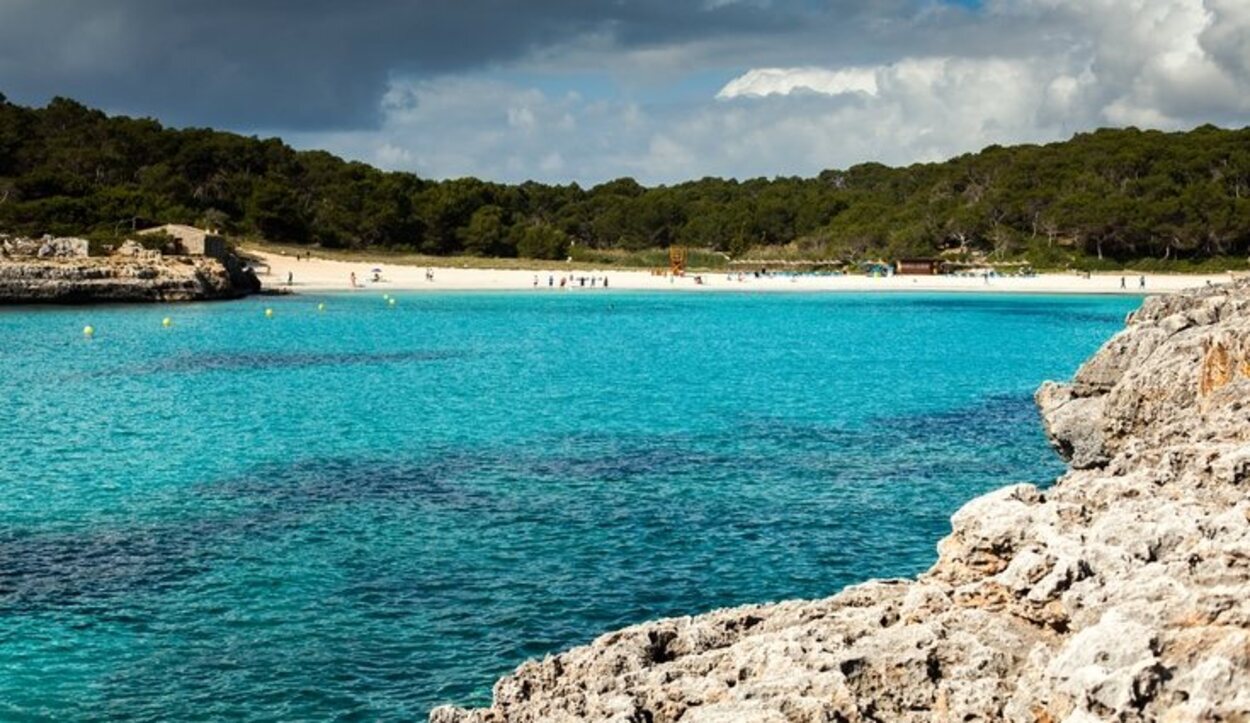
[(1120, 593)]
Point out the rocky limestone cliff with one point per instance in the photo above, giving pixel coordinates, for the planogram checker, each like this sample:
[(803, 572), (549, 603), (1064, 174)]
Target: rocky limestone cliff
[(84, 280), (1122, 593)]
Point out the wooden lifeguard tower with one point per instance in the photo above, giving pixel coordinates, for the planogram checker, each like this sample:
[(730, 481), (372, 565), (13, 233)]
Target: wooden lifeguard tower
[(677, 260)]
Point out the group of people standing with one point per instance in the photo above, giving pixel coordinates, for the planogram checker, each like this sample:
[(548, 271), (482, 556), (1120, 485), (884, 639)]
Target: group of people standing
[(569, 281), (377, 277)]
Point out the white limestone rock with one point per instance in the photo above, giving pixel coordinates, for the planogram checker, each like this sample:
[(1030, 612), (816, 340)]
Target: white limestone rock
[(1121, 593)]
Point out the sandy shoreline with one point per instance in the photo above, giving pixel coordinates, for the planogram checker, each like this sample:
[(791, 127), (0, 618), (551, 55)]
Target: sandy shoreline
[(320, 275)]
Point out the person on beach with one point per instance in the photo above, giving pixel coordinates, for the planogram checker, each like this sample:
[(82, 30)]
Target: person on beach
[(535, 281), (605, 282), (551, 281), (353, 279), (1122, 286), (290, 278), (1141, 282)]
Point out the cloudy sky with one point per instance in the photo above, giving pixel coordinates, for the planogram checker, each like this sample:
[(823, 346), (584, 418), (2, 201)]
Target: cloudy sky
[(661, 90)]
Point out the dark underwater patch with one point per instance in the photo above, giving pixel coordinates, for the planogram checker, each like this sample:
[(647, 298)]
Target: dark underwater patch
[(609, 458), (82, 570), (995, 306), (321, 481), (918, 446), (197, 363), (190, 363)]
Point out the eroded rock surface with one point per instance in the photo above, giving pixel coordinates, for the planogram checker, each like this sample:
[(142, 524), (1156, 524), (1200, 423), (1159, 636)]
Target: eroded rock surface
[(82, 280), (1121, 593), (45, 247)]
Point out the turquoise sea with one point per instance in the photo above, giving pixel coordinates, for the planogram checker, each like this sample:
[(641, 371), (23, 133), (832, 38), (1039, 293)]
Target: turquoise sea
[(363, 512)]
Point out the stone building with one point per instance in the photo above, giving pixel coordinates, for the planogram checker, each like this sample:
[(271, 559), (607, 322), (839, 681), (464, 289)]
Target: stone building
[(192, 241)]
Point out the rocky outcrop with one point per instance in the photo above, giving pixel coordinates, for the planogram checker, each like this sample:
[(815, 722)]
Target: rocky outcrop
[(86, 280), (1121, 593), (135, 250), (46, 247)]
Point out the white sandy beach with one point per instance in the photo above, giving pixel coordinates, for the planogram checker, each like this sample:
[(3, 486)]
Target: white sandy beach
[(316, 275)]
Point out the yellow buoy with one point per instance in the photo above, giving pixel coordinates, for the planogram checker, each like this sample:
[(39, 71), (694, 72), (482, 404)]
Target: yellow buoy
[(88, 330), (167, 322), (321, 307), (268, 313)]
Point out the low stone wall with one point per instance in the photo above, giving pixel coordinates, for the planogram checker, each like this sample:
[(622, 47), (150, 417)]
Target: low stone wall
[(1122, 593)]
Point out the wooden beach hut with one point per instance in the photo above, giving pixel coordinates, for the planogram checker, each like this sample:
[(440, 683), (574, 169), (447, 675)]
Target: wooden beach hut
[(918, 267)]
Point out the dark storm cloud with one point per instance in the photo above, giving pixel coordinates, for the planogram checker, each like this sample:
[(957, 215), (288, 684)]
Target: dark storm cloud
[(662, 90), (321, 64)]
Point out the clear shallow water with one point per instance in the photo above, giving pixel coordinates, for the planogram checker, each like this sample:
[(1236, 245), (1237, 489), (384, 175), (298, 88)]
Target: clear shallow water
[(368, 511)]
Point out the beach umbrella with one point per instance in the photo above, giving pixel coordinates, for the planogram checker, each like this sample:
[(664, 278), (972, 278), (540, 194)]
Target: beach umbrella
[(376, 271)]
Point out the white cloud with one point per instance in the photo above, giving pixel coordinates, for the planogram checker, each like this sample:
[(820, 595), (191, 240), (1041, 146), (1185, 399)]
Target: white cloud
[(1055, 68), (522, 118), (1227, 37), (475, 126), (783, 81)]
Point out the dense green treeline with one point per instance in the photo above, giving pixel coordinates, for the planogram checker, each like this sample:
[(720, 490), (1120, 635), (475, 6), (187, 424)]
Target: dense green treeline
[(1115, 194)]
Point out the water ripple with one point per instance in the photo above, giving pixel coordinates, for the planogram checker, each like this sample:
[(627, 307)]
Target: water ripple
[(313, 517)]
